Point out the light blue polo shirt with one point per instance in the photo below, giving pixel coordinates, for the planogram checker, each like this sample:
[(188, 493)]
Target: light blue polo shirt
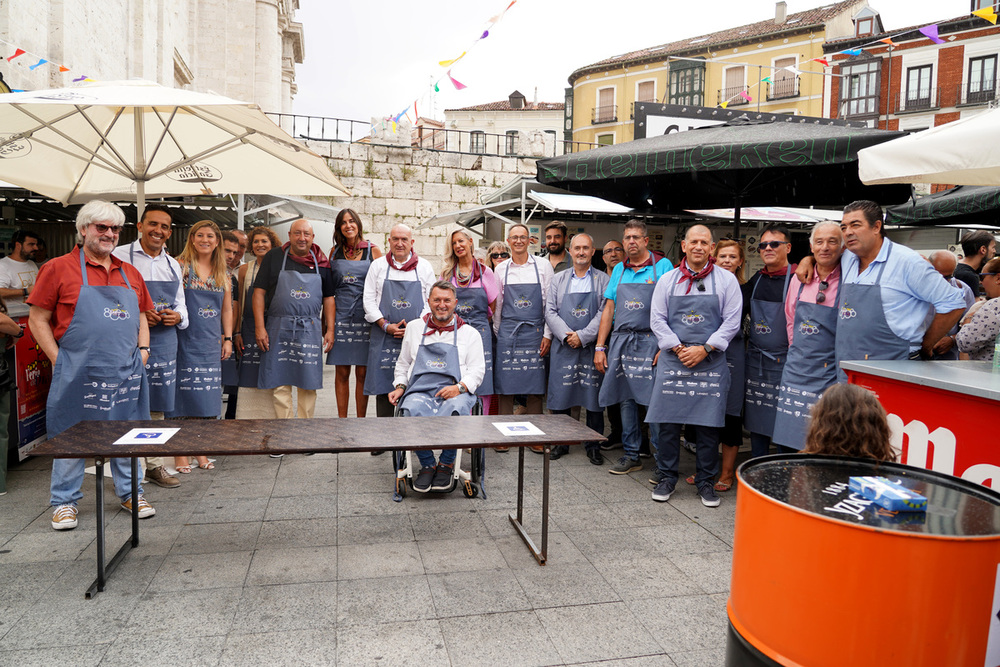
[(643, 275)]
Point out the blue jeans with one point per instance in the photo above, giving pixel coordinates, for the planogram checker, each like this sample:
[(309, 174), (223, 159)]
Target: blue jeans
[(426, 457), (632, 417), (760, 445), (668, 446), (595, 422), (67, 480)]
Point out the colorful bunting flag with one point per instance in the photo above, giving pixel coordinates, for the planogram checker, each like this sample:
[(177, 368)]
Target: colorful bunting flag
[(446, 63), (79, 78), (888, 40), (986, 13), (63, 68), (821, 61), (18, 52), (744, 95), (931, 33), (724, 104), (437, 88), (41, 61), (766, 79), (458, 84), (852, 52)]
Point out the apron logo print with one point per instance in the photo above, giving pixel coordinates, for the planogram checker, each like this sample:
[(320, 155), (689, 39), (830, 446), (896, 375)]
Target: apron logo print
[(463, 308), (580, 311), (761, 327), (160, 305), (208, 312), (846, 312), (522, 302), (116, 313), (436, 364), (400, 304), (350, 279), (634, 304), (809, 328), (300, 293), (692, 318)]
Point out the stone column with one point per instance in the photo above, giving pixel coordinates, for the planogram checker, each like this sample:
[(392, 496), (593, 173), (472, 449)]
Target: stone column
[(267, 63)]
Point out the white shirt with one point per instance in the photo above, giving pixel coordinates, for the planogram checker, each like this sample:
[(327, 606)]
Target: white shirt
[(471, 361), (380, 271), (522, 274), (156, 268), (17, 275)]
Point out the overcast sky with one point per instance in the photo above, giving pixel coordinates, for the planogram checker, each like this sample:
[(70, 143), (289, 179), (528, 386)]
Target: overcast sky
[(374, 57)]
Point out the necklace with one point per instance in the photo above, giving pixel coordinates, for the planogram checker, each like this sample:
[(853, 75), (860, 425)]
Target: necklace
[(464, 279)]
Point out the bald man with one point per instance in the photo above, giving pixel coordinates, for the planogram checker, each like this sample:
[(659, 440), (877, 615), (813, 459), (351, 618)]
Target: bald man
[(293, 297), (945, 262)]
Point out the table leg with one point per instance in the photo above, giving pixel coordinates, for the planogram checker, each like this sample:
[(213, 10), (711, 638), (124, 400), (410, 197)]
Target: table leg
[(104, 571), (135, 502), (518, 519)]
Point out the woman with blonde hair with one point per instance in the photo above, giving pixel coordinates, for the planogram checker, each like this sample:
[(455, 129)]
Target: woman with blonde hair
[(253, 403), (849, 421), (208, 338), (498, 252)]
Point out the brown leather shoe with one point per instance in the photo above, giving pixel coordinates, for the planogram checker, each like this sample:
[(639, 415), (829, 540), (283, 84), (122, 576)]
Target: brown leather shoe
[(161, 477), (538, 449), (502, 450)]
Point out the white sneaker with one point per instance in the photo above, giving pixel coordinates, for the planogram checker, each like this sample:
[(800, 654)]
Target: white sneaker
[(145, 509), (64, 517)]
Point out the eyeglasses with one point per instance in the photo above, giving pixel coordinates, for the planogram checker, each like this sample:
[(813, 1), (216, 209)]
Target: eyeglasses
[(820, 296), (499, 255), (770, 244), (101, 228), (983, 275), (613, 250)]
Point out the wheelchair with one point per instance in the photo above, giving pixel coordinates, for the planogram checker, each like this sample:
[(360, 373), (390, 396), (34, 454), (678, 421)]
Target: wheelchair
[(406, 467)]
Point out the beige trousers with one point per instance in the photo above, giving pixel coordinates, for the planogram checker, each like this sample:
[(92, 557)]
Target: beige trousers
[(283, 402)]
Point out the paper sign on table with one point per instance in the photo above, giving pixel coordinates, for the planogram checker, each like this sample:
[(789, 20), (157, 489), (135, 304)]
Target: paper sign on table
[(518, 428), (147, 436)]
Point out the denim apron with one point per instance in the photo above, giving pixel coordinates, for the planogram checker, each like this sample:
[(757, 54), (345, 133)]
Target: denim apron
[(573, 379), (250, 357), (736, 359), (98, 375), (519, 369), (766, 350), (474, 307), (810, 370), (161, 367), (294, 332), (436, 366), (632, 347), (863, 333), (199, 357), (231, 366), (401, 300), (350, 330), (695, 396)]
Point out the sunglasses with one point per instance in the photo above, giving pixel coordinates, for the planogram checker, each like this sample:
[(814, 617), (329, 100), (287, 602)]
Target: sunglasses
[(101, 228), (983, 275), (499, 255), (770, 244), (820, 296)]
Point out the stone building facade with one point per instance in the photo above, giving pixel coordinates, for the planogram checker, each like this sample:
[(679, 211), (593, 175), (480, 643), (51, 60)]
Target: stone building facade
[(244, 49)]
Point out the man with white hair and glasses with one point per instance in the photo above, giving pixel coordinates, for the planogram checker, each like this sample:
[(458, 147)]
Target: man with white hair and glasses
[(87, 317)]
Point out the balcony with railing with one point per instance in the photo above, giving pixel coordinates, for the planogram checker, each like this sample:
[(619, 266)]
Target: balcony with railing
[(979, 93), (783, 89), (732, 96), (915, 101), (633, 105), (605, 114)]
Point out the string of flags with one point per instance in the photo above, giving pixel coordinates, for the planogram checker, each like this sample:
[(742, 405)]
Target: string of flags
[(929, 31), (446, 65), (39, 61)]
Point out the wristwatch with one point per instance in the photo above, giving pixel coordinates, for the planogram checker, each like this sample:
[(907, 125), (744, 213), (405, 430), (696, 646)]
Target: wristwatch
[(144, 347), (229, 338), (462, 388), (401, 386), (708, 348)]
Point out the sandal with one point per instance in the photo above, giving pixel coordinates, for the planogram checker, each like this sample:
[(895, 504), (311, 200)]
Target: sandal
[(184, 470), (723, 486), (207, 466), (690, 480)]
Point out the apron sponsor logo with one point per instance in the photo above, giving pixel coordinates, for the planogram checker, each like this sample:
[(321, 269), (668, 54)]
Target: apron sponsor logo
[(634, 304), (463, 308), (846, 312), (116, 313), (580, 311), (11, 147), (809, 328), (299, 293), (160, 305), (436, 364), (199, 172), (761, 327), (522, 302), (400, 304), (208, 312), (692, 318), (351, 279)]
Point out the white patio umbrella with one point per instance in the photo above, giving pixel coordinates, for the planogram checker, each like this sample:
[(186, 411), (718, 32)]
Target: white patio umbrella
[(129, 140), (963, 152)]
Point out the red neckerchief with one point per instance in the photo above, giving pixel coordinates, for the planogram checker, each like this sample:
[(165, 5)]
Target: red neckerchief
[(650, 260), (691, 276), (433, 327), (307, 261), (351, 249), (410, 265), (774, 274)]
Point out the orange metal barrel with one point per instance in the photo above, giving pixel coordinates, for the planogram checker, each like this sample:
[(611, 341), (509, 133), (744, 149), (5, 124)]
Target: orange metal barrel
[(822, 577)]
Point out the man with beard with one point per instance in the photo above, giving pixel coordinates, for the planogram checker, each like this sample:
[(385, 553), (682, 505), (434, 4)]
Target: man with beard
[(18, 271), (439, 368), (555, 243)]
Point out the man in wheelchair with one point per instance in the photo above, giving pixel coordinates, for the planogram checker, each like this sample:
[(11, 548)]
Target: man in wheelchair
[(439, 368)]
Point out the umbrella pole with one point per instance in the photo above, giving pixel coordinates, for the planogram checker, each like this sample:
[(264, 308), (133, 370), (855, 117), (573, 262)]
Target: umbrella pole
[(736, 222), (140, 200)]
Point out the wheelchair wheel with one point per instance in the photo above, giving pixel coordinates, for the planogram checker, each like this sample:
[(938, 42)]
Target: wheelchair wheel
[(401, 486), (469, 489)]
